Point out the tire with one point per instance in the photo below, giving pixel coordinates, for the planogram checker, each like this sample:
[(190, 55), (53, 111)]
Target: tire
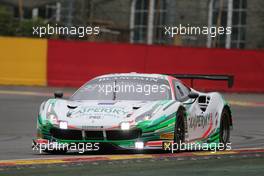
[(179, 128), (224, 136)]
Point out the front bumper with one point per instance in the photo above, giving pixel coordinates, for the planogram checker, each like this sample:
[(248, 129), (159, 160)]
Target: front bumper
[(44, 145), (118, 139)]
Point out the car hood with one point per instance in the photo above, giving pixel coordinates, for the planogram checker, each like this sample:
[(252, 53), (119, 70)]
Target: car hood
[(102, 114)]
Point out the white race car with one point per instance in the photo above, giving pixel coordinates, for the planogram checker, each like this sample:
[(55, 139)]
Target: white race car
[(135, 111)]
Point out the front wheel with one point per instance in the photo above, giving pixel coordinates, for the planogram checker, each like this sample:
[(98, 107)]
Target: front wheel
[(179, 129)]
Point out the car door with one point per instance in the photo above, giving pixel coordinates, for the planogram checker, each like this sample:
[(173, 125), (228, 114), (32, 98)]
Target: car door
[(197, 118)]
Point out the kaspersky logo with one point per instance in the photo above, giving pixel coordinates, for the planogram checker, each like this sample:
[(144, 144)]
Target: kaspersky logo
[(200, 121), (119, 111)]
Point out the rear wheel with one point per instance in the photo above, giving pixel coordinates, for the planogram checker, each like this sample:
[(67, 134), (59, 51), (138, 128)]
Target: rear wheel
[(225, 128), (179, 129)]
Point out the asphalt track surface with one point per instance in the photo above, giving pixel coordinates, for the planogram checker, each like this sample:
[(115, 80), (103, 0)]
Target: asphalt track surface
[(19, 107)]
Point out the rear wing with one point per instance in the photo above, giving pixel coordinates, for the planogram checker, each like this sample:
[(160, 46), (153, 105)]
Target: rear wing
[(192, 77)]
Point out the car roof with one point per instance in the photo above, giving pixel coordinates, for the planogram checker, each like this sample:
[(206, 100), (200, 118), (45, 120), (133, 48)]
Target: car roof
[(150, 75)]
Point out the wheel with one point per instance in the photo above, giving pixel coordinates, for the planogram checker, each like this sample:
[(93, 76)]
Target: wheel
[(179, 129), (224, 137)]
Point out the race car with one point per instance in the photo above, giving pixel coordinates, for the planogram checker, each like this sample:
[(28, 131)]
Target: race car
[(134, 111)]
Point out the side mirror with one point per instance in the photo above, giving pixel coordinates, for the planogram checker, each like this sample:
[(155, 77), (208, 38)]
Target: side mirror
[(193, 95), (58, 94)]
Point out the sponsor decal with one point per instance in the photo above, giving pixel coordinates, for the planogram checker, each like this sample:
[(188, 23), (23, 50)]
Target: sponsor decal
[(94, 117), (201, 120), (129, 78), (95, 112), (167, 136)]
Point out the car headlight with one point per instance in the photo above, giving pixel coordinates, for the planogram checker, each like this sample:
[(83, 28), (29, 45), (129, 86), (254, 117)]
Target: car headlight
[(143, 117), (125, 126), (42, 106), (52, 118), (148, 115), (63, 125), (51, 115)]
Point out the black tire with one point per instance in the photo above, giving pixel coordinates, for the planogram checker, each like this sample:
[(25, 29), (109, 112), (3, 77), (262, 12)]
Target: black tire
[(224, 136), (179, 129)]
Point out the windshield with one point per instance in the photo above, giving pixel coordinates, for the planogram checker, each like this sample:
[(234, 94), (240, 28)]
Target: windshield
[(124, 88)]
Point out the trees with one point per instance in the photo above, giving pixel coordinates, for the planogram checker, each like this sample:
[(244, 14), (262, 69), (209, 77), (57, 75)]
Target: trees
[(11, 26)]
